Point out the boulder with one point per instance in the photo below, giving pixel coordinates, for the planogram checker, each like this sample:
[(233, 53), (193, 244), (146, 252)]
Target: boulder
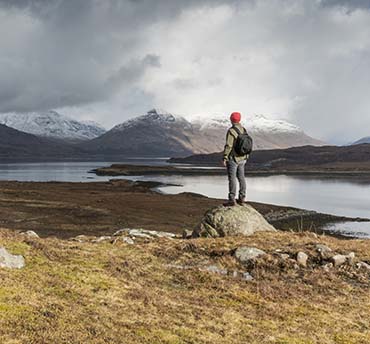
[(230, 221), (8, 260), (338, 260)]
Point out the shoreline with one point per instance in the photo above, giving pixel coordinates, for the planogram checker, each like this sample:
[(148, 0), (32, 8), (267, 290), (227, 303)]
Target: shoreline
[(116, 170)]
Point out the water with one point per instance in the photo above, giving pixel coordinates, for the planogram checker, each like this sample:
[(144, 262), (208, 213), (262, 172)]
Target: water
[(342, 197)]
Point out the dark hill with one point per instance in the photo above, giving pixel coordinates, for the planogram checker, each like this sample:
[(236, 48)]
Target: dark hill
[(15, 144), (297, 158)]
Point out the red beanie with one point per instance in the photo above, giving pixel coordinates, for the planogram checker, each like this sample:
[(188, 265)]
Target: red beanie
[(235, 117)]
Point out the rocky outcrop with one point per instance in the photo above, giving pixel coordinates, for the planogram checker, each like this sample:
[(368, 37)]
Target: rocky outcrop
[(230, 221), (8, 260)]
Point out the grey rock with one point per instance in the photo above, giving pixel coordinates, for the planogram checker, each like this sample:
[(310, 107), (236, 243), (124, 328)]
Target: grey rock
[(8, 260), (126, 240), (186, 234), (328, 266), (102, 239), (215, 269), (247, 276), (144, 233), (338, 260), (246, 254), (30, 234), (80, 238), (351, 258), (284, 256), (363, 265), (323, 249), (302, 259), (230, 221)]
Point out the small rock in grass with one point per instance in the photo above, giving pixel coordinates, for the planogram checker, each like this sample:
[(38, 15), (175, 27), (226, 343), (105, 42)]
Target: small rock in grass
[(101, 239), (284, 256), (327, 267), (80, 238), (363, 265), (247, 276), (248, 254), (186, 234), (30, 234), (302, 259), (323, 249), (125, 240), (338, 260), (8, 260), (351, 258)]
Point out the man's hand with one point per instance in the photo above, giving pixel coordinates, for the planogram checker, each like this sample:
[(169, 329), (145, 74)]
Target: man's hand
[(224, 162)]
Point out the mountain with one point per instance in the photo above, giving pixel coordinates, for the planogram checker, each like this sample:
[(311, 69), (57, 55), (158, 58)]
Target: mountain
[(159, 133), (266, 133), (52, 125), (15, 144), (362, 141)]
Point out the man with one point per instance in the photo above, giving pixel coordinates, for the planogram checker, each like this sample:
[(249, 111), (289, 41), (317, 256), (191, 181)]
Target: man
[(235, 163)]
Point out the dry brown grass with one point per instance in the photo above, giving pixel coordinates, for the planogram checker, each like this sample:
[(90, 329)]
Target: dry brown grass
[(102, 293)]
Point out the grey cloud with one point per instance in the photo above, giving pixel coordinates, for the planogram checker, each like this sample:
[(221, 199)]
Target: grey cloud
[(349, 4)]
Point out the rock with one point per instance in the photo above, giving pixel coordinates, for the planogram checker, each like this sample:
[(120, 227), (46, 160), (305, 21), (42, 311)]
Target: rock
[(230, 221), (363, 265), (80, 238), (247, 255), (351, 258), (125, 240), (144, 233), (327, 267), (186, 234), (284, 256), (102, 238), (8, 260), (246, 276), (215, 269), (30, 234), (302, 259), (323, 249), (338, 260)]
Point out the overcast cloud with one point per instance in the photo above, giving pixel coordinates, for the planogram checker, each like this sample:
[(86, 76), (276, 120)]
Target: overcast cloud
[(108, 60)]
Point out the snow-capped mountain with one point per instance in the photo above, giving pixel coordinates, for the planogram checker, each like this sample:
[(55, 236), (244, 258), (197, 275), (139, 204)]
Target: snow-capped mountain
[(159, 133), (267, 133), (362, 141), (52, 125)]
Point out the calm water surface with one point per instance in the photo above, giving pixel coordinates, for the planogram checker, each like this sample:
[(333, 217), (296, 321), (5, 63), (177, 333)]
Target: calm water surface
[(343, 197)]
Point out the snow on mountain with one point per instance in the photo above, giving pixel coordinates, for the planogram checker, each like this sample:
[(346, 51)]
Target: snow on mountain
[(256, 123), (53, 125), (154, 117), (362, 141)]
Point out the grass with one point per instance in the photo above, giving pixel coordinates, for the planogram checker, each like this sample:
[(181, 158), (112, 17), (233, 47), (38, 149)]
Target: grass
[(102, 293)]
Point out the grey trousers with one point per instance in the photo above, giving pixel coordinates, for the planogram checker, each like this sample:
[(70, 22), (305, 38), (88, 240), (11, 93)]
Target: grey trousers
[(236, 171)]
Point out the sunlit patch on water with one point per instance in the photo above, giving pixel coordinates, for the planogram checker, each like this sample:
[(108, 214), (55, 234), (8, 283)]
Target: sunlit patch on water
[(351, 229)]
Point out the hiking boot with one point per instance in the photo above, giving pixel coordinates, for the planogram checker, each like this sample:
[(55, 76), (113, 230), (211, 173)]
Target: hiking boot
[(229, 204), (241, 201)]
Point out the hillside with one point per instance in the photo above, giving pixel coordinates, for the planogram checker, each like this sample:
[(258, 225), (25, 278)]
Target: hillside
[(159, 133), (183, 291), (329, 158), (52, 125), (15, 144)]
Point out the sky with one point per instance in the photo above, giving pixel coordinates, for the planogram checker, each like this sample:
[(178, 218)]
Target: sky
[(307, 61)]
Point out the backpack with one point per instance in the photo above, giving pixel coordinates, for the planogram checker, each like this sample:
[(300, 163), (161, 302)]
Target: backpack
[(243, 144)]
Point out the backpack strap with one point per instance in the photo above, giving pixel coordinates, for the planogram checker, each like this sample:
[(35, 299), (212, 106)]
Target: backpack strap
[(238, 131)]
